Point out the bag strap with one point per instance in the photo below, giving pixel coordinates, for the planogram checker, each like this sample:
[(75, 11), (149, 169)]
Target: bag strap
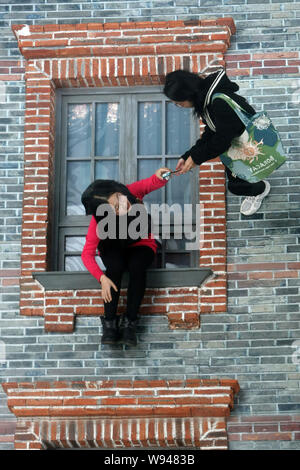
[(242, 113)]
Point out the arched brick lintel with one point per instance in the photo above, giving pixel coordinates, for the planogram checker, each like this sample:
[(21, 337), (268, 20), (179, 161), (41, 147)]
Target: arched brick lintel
[(122, 414)]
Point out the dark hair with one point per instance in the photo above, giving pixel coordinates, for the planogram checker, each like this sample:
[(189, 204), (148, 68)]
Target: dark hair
[(99, 191), (182, 85)]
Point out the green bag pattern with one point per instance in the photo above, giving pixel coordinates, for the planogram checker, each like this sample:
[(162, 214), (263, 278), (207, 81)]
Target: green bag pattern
[(255, 154)]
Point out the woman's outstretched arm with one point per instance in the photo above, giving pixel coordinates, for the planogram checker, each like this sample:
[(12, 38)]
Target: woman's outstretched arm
[(89, 251), (142, 187)]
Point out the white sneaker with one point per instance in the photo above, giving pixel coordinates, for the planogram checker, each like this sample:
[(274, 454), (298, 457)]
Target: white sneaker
[(251, 204)]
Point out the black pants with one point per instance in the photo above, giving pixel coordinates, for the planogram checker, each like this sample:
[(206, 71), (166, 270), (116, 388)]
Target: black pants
[(135, 260), (243, 188)]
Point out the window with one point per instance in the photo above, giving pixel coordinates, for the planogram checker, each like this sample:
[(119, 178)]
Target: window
[(126, 135)]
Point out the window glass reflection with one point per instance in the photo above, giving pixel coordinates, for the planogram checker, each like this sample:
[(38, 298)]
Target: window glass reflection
[(146, 168), (79, 130), (149, 128), (178, 189), (78, 178), (177, 129), (107, 129), (107, 169)]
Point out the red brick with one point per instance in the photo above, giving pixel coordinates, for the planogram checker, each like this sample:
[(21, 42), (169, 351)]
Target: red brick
[(51, 27), (250, 64), (272, 71), (238, 428), (51, 43), (68, 27), (136, 392), (266, 428), (274, 63), (88, 310), (238, 72), (56, 327), (217, 47), (286, 274), (79, 402), (102, 393), (118, 401), (293, 62), (275, 55), (20, 445), (227, 21), (267, 437), (290, 426)]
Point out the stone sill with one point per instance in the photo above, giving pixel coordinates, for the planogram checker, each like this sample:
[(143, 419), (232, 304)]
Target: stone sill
[(156, 278)]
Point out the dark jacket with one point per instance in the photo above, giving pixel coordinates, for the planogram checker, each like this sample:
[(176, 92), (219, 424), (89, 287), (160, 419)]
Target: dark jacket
[(227, 124)]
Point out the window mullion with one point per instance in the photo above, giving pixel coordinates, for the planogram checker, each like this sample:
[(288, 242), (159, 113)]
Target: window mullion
[(164, 133), (93, 143), (63, 183), (132, 138)]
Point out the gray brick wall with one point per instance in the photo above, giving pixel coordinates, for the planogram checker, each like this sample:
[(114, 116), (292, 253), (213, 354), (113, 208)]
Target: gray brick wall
[(255, 341)]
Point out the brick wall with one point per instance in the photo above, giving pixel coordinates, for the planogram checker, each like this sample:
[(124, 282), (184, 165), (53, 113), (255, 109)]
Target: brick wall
[(255, 342), (84, 55), (122, 413)]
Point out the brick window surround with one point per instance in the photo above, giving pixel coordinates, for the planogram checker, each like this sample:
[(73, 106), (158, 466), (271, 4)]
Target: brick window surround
[(122, 414), (111, 55)]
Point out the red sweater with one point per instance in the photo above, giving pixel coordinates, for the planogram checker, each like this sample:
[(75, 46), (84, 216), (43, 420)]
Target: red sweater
[(138, 189)]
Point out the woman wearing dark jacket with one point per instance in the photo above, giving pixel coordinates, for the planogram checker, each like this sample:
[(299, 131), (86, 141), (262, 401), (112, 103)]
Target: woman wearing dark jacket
[(222, 125)]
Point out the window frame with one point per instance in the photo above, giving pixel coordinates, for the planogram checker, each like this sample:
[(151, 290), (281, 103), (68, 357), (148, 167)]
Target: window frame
[(126, 171)]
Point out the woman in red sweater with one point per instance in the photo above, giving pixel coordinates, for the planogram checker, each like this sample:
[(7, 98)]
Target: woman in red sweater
[(118, 255)]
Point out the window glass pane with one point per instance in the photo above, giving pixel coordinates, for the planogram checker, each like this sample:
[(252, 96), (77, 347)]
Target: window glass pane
[(147, 167), (78, 178), (74, 243), (107, 129), (177, 260), (149, 128), (107, 170), (177, 129), (74, 263), (178, 188), (79, 130)]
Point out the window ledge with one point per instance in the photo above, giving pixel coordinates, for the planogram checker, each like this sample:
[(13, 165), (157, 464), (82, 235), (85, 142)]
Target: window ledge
[(69, 280)]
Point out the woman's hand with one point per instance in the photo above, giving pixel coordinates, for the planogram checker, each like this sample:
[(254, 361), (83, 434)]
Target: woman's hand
[(160, 172), (186, 166), (180, 164), (106, 285)]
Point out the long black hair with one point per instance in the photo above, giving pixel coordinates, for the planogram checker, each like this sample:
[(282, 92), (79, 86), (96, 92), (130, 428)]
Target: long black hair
[(182, 85), (99, 191)]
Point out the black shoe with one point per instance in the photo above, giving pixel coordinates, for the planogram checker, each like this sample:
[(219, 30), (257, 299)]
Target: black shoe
[(119, 331), (110, 331), (128, 332)]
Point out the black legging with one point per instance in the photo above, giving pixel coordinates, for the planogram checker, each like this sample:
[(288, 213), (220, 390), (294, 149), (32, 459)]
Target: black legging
[(135, 260), (243, 188)]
